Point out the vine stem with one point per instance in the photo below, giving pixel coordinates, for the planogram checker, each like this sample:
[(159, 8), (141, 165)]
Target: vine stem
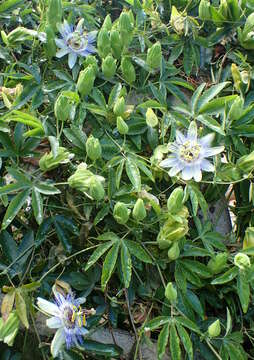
[(132, 322), (68, 258), (213, 350)]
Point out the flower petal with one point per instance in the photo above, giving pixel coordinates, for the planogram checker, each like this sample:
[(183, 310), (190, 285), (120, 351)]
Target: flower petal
[(207, 139), (57, 342), (48, 307), (180, 138), (207, 166), (176, 169), (197, 174), (54, 322), (213, 151), (72, 59), (192, 131), (169, 162), (187, 173), (80, 300), (60, 43), (91, 36), (62, 52)]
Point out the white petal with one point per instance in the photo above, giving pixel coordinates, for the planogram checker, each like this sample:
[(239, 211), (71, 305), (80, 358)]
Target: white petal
[(213, 151), (197, 173), (187, 172), (180, 138), (207, 139), (176, 169), (192, 131), (57, 342), (48, 307), (80, 300), (54, 322), (84, 331), (207, 166), (60, 43), (62, 52), (168, 162), (72, 59)]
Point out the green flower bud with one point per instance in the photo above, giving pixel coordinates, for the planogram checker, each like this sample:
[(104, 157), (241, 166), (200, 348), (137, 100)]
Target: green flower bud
[(171, 293), (175, 201), (103, 43), (63, 107), (50, 46), (236, 77), (139, 211), (174, 252), (154, 56), (96, 190), (93, 148), (177, 21), (151, 118), (242, 260), (119, 107), (204, 10), (116, 44), (214, 329), (109, 66), (122, 127), (173, 229), (248, 240), (86, 81), (88, 183), (246, 163), (107, 24), (121, 213), (128, 70), (49, 162), (126, 28), (91, 60), (218, 263)]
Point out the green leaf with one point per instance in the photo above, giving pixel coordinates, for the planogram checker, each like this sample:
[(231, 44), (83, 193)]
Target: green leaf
[(162, 341), (37, 204), (226, 277), (12, 188), (21, 308), (196, 267), (187, 323), (101, 249), (46, 189), (217, 105), (109, 235), (14, 207), (243, 291), (209, 94), (101, 214), (126, 264), (8, 5), (211, 123), (175, 349), (136, 250), (109, 265), (157, 322), (98, 349), (186, 341), (195, 97), (133, 174), (119, 172), (76, 136)]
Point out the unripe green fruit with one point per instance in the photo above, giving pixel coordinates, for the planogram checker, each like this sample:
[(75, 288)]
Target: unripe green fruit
[(103, 43), (218, 263), (121, 213), (96, 191), (119, 107), (151, 118), (214, 329), (175, 201), (116, 43), (139, 211), (93, 148), (86, 81), (154, 56), (248, 240), (174, 252), (107, 24), (122, 127), (171, 292), (128, 70), (109, 66)]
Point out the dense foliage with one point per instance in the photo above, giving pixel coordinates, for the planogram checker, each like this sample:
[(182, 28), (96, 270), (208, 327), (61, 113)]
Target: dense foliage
[(121, 125)]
